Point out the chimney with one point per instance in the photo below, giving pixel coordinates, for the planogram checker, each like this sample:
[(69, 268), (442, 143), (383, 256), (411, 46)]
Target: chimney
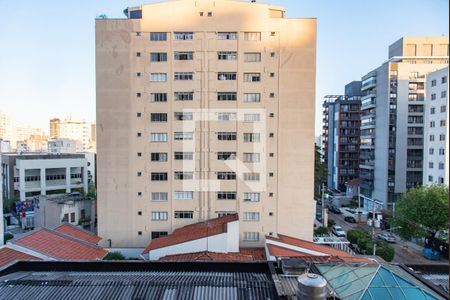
[(312, 287)]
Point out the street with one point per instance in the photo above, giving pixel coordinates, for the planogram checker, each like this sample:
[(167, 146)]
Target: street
[(405, 252)]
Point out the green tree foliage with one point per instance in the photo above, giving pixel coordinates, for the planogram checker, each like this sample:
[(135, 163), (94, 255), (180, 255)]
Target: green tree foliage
[(9, 204), (321, 230), (422, 211), (114, 255), (320, 171), (365, 243)]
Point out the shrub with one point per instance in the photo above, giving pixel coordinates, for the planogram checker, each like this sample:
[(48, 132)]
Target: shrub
[(321, 230), (331, 223), (354, 235), (114, 255), (7, 236), (385, 251)]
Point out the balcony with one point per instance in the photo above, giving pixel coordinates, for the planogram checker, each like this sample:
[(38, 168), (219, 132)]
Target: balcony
[(368, 83), (366, 175), (368, 103)]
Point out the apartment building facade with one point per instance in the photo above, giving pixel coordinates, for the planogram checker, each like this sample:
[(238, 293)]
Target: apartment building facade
[(435, 167), (341, 122), (392, 119), (205, 108)]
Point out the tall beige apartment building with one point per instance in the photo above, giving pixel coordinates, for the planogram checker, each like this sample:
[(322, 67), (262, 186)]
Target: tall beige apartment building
[(205, 108)]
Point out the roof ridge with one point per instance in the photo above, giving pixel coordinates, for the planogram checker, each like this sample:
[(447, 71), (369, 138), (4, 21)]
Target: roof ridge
[(78, 228), (73, 238)]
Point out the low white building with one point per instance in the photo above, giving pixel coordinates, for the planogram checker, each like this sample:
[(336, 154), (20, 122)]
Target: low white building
[(28, 175), (436, 148)]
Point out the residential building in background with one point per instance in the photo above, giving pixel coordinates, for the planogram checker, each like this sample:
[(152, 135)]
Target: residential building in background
[(341, 122), (204, 112), (28, 175), (392, 119), (435, 163), (5, 146), (62, 145), (72, 128), (6, 127)]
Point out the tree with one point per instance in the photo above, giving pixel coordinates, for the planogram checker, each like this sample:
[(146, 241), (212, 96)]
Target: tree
[(114, 255), (320, 171), (421, 212)]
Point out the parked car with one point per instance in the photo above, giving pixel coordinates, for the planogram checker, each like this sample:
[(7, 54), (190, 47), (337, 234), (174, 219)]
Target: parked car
[(349, 219), (335, 210), (338, 231), (386, 236)]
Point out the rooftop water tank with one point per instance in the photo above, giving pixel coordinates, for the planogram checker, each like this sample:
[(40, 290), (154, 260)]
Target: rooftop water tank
[(312, 287)]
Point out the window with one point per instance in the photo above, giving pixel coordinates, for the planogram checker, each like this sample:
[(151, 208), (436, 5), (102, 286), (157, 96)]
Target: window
[(441, 166), (184, 96), (138, 115), (159, 176), (251, 137), (183, 175), (443, 94), (251, 176), (224, 213), (433, 96), (226, 96), (226, 55), (252, 197), (444, 79), (226, 116), (251, 118), (431, 137), (272, 54), (180, 136), (183, 195), (226, 176), (158, 156), (184, 76), (432, 124), (160, 215), (441, 151), (183, 155), (442, 123), (158, 97), (138, 54), (252, 97), (272, 95), (252, 36), (226, 195), (138, 74), (65, 218), (443, 108), (158, 56), (252, 77), (433, 82), (252, 57), (226, 76), (159, 137), (227, 35), (432, 110), (430, 178), (158, 77), (158, 36), (251, 236), (183, 55), (160, 196), (431, 151), (72, 217), (413, 75), (209, 14), (431, 165), (251, 157), (157, 234), (183, 116), (183, 36), (226, 155), (139, 134), (184, 214), (251, 216), (158, 117), (442, 137), (226, 136), (138, 95)]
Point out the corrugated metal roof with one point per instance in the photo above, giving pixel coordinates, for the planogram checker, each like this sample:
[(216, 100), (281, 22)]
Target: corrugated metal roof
[(285, 285), (137, 285)]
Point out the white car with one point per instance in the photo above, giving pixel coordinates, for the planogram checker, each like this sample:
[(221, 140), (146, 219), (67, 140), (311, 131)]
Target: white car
[(338, 231)]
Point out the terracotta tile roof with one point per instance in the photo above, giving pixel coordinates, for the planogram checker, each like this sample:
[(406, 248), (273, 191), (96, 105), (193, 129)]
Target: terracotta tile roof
[(78, 233), (330, 252), (257, 253), (208, 256), (8, 255), (193, 232), (60, 246)]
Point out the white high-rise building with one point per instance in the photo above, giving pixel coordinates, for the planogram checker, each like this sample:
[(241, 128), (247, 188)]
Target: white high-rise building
[(74, 129), (6, 127), (435, 164)]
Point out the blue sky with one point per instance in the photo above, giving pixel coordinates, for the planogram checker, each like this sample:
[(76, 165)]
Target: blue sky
[(47, 49)]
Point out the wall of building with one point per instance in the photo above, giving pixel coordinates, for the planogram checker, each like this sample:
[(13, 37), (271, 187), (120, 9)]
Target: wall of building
[(287, 196)]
